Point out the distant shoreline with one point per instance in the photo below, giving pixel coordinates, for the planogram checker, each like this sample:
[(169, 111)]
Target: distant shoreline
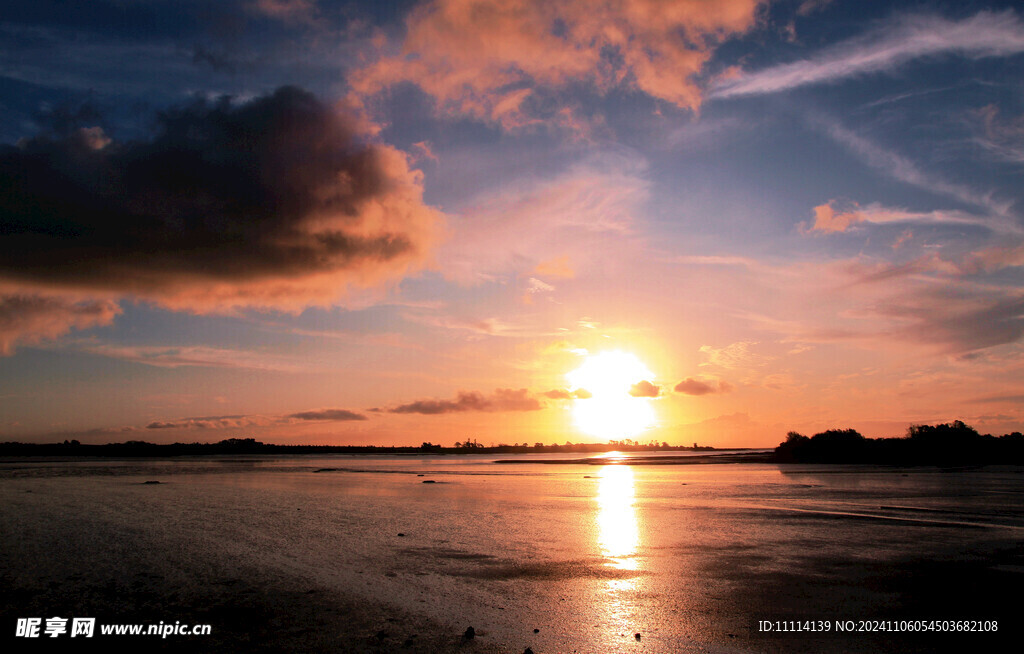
[(236, 446), (728, 456)]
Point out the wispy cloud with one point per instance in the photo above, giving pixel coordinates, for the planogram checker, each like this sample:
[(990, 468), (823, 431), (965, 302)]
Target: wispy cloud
[(734, 355), (986, 34), (556, 225), (836, 216), (1001, 136), (900, 167), (202, 356)]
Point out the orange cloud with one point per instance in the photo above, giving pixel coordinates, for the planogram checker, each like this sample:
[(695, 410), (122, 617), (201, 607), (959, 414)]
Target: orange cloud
[(487, 59), (827, 219)]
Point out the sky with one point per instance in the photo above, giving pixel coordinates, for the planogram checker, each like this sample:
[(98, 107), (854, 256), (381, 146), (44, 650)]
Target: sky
[(386, 223)]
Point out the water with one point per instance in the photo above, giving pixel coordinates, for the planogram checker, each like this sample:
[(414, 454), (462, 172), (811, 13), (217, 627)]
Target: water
[(691, 557)]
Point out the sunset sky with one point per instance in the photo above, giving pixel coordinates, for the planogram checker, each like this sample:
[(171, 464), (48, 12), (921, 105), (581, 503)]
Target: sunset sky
[(393, 222)]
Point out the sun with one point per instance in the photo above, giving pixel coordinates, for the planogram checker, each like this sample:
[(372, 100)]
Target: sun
[(610, 411)]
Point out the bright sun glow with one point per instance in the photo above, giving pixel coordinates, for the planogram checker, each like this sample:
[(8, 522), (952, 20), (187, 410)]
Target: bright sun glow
[(611, 412)]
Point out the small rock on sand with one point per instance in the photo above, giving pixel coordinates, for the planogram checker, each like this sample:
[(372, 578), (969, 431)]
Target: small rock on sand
[(429, 481), (536, 631), (470, 633), (637, 636), (146, 483)]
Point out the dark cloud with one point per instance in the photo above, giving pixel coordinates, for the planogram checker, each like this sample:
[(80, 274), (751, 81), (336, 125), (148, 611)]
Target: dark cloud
[(691, 386), (28, 319), (271, 203), (503, 399), (328, 414), (644, 389)]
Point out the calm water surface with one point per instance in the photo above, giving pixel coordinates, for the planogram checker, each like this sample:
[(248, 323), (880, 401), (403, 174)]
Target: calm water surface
[(689, 556)]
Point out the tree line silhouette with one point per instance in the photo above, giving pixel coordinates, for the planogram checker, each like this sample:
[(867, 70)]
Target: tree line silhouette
[(948, 444)]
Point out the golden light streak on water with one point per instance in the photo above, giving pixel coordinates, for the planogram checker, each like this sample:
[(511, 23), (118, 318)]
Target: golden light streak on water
[(618, 531)]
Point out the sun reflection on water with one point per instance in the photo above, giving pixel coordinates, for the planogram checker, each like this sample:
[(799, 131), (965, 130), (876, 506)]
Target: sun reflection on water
[(618, 531), (618, 537)]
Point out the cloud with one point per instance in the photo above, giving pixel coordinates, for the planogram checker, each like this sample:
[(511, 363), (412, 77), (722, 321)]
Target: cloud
[(30, 319), (691, 386), (272, 203), (328, 414), (542, 224), (557, 267), (482, 326), (201, 356), (249, 421), (501, 61), (563, 394), (906, 171), (424, 151), (211, 422), (503, 399), (834, 217), (808, 7), (1002, 137), (644, 388), (956, 323), (734, 355), (907, 38), (295, 12)]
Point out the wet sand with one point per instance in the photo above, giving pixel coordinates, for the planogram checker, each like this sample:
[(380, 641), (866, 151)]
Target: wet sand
[(281, 558)]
